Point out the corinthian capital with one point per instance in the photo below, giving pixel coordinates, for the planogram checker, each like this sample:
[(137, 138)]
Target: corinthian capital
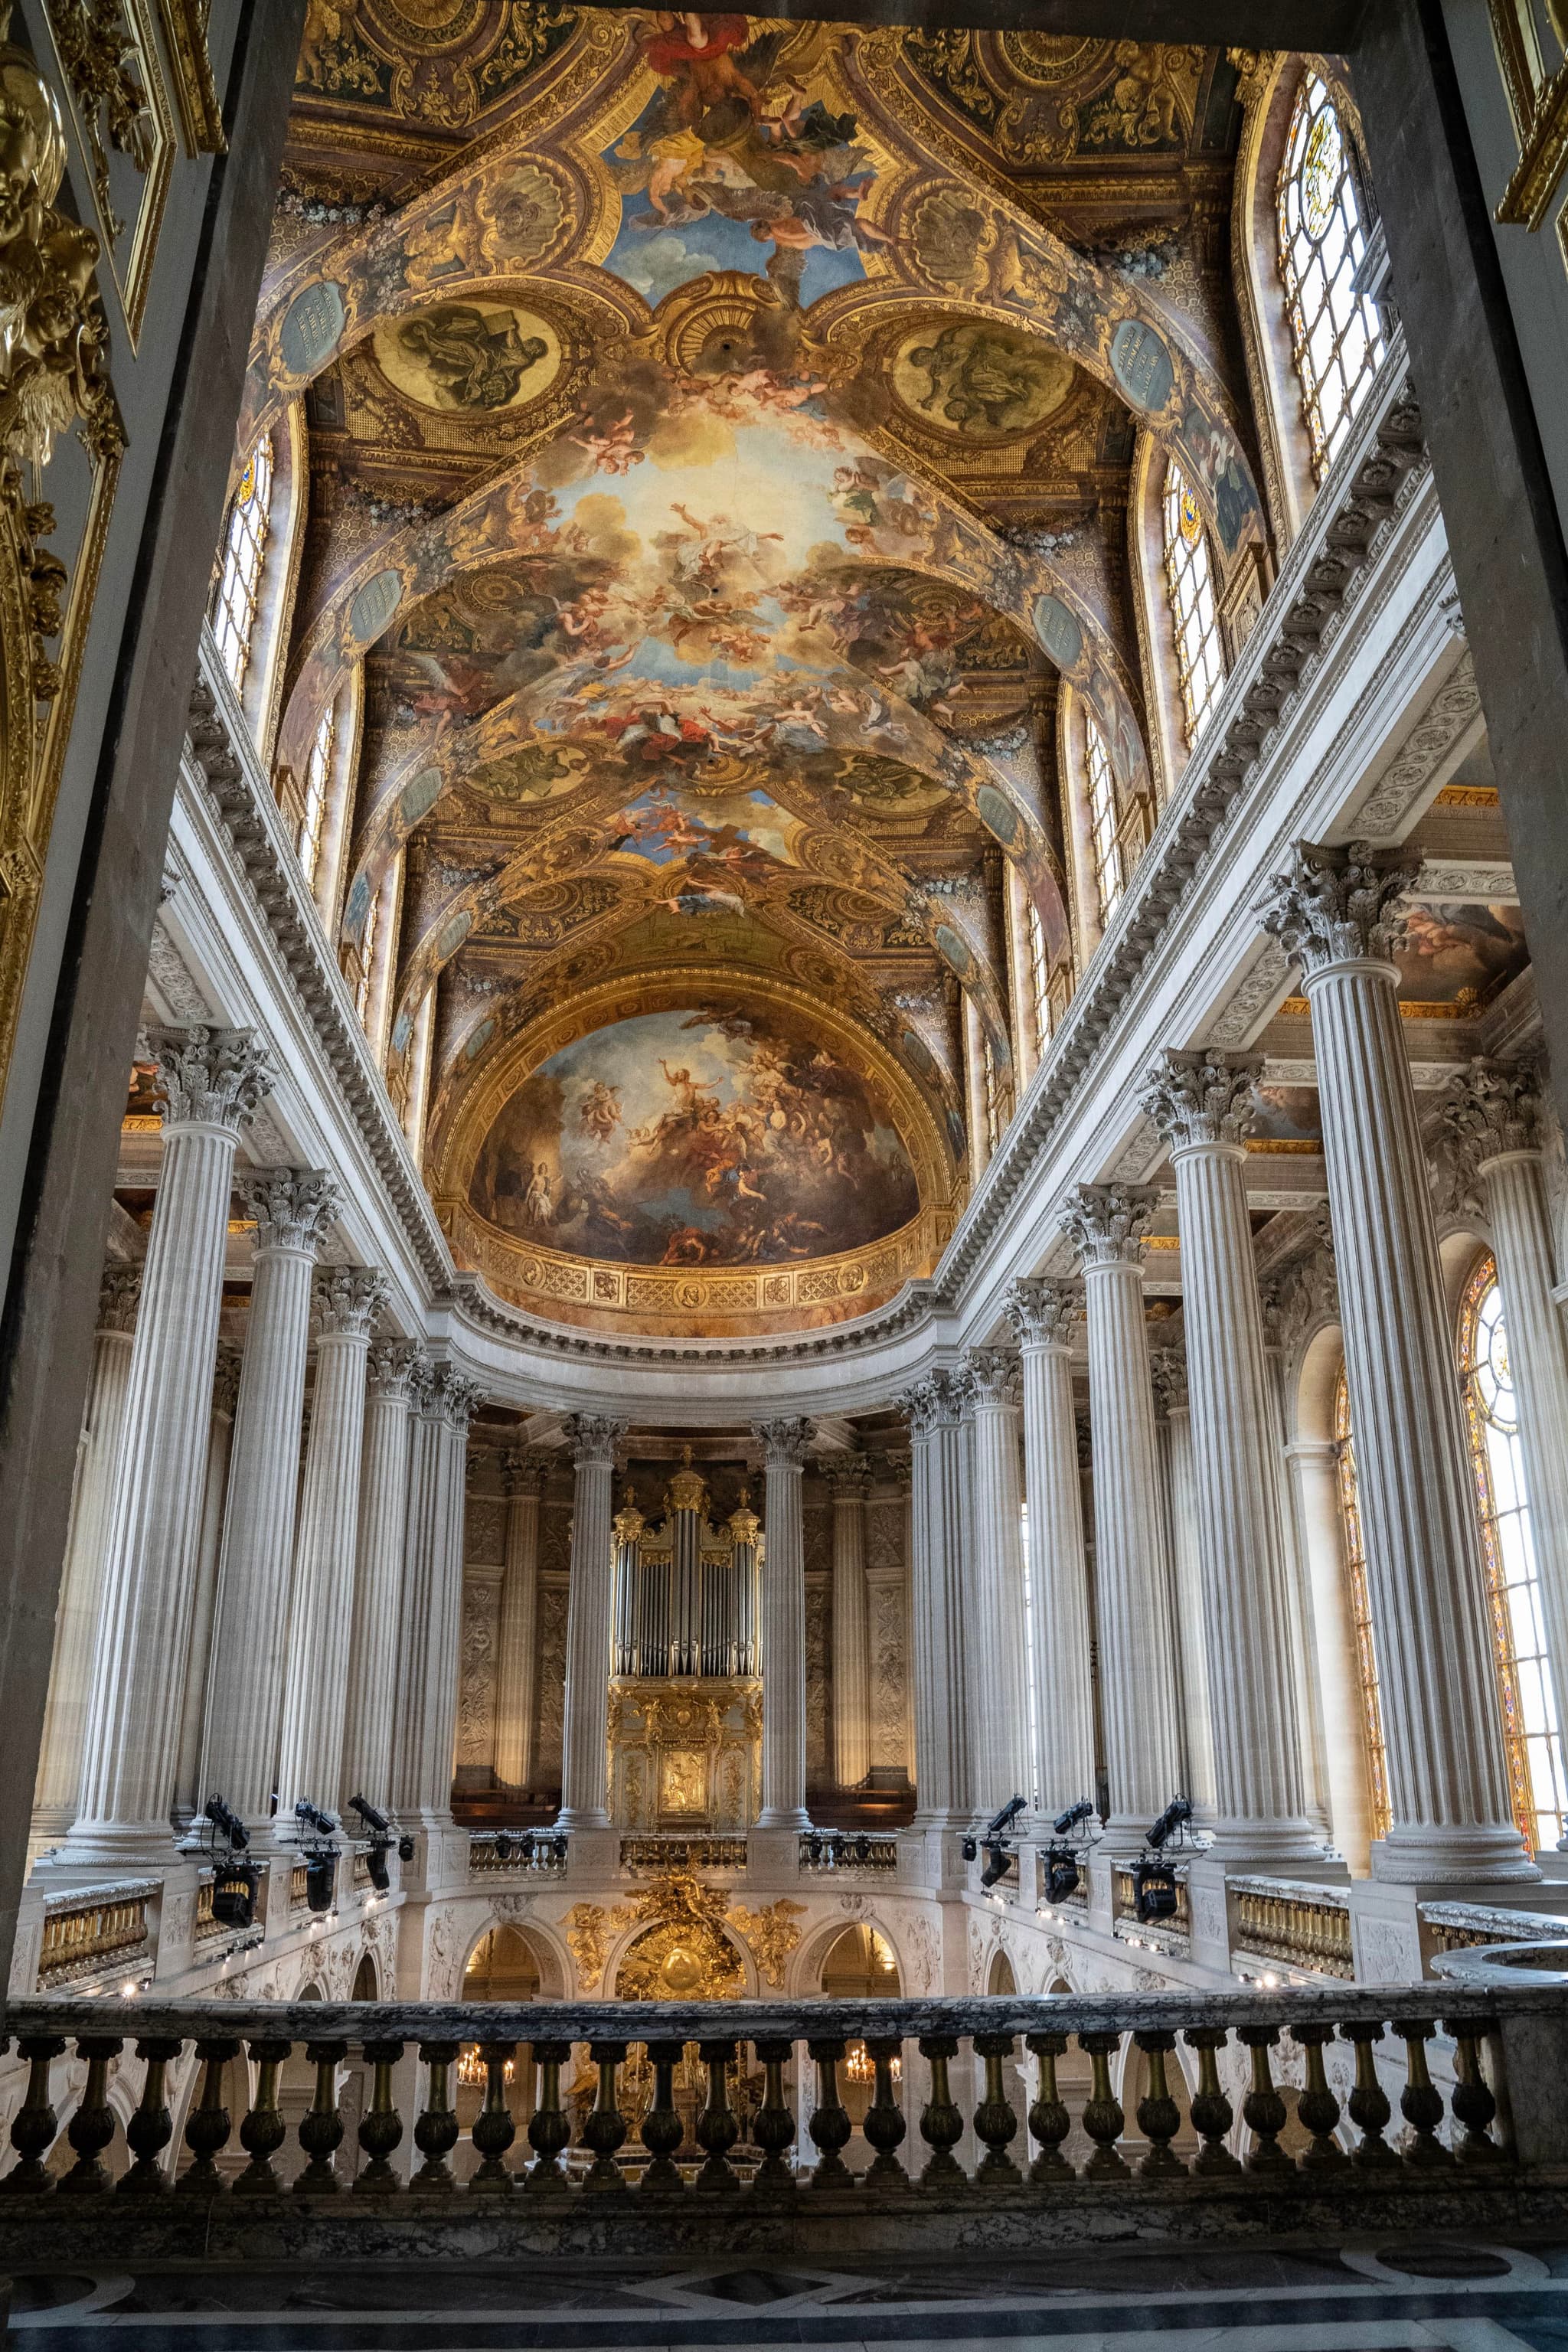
[(1336, 904), (1106, 1223), (294, 1208), (848, 1476), (119, 1296), (225, 1379), (1201, 1097), (1044, 1314), (348, 1299), (1493, 1109), (593, 1437), (1168, 1372), (785, 1442), (993, 1376), (389, 1367), (524, 1469), (209, 1077), (454, 1397)]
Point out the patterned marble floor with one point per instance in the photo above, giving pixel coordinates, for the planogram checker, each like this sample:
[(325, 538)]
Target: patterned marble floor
[(1415, 2296)]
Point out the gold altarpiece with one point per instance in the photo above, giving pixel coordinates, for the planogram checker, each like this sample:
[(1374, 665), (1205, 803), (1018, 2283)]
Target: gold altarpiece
[(686, 1692)]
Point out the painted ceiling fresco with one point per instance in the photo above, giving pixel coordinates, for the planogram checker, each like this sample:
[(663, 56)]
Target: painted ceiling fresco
[(720, 440)]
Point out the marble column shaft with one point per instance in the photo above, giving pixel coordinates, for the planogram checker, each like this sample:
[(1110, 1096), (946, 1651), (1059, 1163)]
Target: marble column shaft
[(1175, 1438), (1137, 1671), (189, 1794), (429, 1633), (321, 1620), (208, 1081), (784, 1444), (936, 1602), (294, 1209), (1314, 1472), (517, 1641), (379, 1557), (1044, 1315), (59, 1782), (590, 1611), (995, 1664), (1202, 1105), (848, 1482), (1336, 914)]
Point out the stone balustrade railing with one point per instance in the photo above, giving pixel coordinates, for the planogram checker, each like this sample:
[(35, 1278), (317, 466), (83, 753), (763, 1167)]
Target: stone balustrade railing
[(538, 1851), (822, 1849), (95, 1930), (654, 1852), (1300, 1924)]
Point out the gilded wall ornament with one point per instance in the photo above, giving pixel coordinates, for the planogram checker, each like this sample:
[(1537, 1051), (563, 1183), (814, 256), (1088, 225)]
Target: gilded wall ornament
[(772, 1934)]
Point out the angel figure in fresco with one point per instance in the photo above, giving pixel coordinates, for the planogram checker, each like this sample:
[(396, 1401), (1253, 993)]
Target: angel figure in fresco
[(709, 64), (600, 1114), (612, 447)]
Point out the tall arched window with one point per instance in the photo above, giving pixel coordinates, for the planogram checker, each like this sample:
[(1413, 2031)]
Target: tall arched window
[(1360, 1614), (1106, 848), (1336, 332), (1039, 976), (1532, 1735), (238, 584), (1195, 623), (317, 778)]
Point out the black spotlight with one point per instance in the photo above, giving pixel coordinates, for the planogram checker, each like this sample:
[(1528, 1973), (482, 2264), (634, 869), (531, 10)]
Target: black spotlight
[(1061, 1873), (1154, 1891), (998, 1863), (1171, 1824), (376, 1865), (969, 1848), (862, 1848), (503, 1846), (321, 1880), (227, 1824), (235, 1885), (405, 1849), (371, 1816), (557, 1848), (315, 1818), (1075, 1816)]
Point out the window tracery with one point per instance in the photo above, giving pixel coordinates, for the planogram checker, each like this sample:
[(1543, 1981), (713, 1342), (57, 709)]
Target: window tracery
[(1376, 1752), (1532, 1739), (238, 587), (1105, 848), (1195, 620), (1335, 331)]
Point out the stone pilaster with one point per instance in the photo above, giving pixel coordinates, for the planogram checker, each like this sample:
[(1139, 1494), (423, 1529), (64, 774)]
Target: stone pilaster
[(320, 1622), (188, 1791), (1202, 1103), (1173, 1442), (456, 1399), (590, 1611), (995, 1666), (1336, 913), (784, 1444), (390, 1370), (81, 1584), (517, 1643), (1107, 1224), (1493, 1119), (209, 1081), (936, 1602), (1044, 1315), (1305, 1650), (847, 1481), (294, 1209)]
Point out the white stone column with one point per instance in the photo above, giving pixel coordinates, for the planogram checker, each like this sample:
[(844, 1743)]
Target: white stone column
[(1021, 962), (379, 1559), (1174, 1434), (189, 1794), (321, 1620), (59, 1782), (1298, 1575), (1137, 1671), (516, 1642), (847, 1481), (459, 1398), (590, 1610), (422, 1537), (1335, 914), (1493, 1119), (1202, 1103), (997, 1669), (1044, 1315), (294, 1209), (784, 1444), (209, 1081), (975, 1092), (936, 1602), (1314, 1470)]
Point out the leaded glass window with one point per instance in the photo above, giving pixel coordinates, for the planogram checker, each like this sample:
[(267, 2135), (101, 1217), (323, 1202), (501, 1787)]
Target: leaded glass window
[(318, 778), (1195, 623), (1104, 846), (1335, 331), (1039, 977), (1372, 1741), (1532, 1738), (239, 586)]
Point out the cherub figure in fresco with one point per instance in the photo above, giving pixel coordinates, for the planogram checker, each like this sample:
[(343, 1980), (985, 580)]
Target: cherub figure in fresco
[(706, 60), (612, 447), (600, 1113)]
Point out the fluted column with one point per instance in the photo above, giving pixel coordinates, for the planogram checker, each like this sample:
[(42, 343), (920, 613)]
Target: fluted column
[(996, 1667), (1172, 1425), (321, 1620), (1202, 1103), (1304, 1646), (848, 1482), (589, 1610), (209, 1081), (189, 1794), (59, 1782), (1336, 915), (379, 1553), (518, 1638), (784, 1444), (1044, 1315), (1493, 1119), (294, 1209), (936, 1602), (1137, 1675), (458, 1399)]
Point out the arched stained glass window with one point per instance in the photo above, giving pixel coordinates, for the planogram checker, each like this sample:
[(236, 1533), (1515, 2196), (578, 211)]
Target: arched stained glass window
[(1336, 332), (239, 585), (1195, 623), (1360, 1615), (1105, 848), (1532, 1735), (318, 781)]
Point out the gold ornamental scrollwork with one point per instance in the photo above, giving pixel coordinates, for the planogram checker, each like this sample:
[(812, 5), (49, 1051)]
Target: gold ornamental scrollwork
[(772, 1934)]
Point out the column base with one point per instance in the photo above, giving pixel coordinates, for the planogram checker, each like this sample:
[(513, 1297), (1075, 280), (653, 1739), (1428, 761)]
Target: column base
[(1489, 1853), (782, 1817), (582, 1817), (1281, 1848), (114, 1845)]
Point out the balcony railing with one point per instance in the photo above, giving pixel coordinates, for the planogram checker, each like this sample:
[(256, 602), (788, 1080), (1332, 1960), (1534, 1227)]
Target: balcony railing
[(822, 1849), (94, 1930), (1304, 1926), (710, 1853), (538, 1851)]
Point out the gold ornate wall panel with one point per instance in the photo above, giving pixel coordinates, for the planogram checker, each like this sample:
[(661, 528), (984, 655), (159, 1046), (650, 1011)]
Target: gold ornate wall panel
[(684, 1754), (113, 77)]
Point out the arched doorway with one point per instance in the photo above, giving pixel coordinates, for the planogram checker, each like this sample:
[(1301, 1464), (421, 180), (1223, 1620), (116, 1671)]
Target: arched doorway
[(364, 1986), (859, 1965), (502, 1967)]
